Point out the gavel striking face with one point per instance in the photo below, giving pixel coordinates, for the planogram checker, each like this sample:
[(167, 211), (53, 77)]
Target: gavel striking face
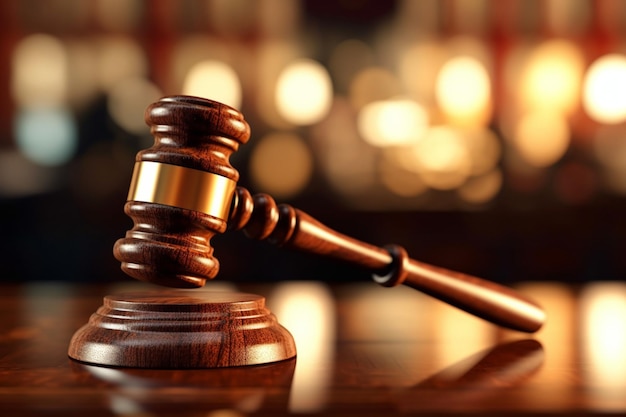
[(184, 191)]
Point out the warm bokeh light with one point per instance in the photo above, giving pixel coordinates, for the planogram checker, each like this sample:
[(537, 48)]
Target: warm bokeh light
[(39, 73), (442, 158), (393, 314), (398, 314), (463, 91), (127, 102), (307, 310), (373, 84), (118, 58), (461, 335), (281, 164), (214, 80), (603, 308), (392, 122), (541, 138), (47, 136), (193, 49), (551, 77), (418, 68), (560, 331), (400, 181), (272, 57), (304, 92), (83, 71), (347, 163), (481, 189), (484, 148), (604, 90)]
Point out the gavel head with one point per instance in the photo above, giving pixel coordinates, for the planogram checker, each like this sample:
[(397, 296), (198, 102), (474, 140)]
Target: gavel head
[(181, 191)]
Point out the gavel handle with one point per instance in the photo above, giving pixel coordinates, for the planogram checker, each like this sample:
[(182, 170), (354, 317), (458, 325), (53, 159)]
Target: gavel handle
[(261, 218)]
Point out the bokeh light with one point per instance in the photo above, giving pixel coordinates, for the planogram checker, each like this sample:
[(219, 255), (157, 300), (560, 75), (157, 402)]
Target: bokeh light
[(392, 122), (307, 309), (214, 80), (484, 148), (602, 309), (418, 68), (281, 164), (373, 84), (348, 164), (39, 71), (481, 189), (463, 91), (272, 57), (47, 136), (398, 180), (551, 77), (604, 89), (127, 102), (83, 71), (118, 58), (303, 92), (541, 138), (442, 158)]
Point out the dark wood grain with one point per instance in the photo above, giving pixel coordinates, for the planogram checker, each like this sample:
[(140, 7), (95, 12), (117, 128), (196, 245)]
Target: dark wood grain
[(179, 330), (171, 245)]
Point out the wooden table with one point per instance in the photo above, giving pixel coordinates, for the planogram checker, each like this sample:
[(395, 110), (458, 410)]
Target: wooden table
[(362, 350)]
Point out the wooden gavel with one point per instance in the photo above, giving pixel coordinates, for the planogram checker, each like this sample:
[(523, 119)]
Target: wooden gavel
[(184, 191)]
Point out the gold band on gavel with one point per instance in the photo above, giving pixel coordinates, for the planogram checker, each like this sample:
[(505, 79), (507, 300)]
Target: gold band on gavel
[(187, 188)]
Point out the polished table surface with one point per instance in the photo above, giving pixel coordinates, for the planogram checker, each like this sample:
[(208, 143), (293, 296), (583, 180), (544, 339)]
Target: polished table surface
[(362, 350)]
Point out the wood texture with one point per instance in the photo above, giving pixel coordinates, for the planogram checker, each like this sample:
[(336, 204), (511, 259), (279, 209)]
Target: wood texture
[(171, 246), (178, 330), (440, 362), (261, 218)]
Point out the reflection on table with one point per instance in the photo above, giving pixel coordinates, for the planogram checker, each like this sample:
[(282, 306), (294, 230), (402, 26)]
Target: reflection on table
[(361, 349)]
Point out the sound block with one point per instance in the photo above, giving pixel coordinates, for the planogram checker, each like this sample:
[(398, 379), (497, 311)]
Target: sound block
[(182, 329)]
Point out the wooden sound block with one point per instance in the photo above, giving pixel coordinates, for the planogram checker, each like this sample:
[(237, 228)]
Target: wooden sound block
[(182, 329)]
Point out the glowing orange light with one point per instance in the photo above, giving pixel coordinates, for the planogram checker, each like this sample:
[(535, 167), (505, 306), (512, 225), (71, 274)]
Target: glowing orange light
[(392, 122), (603, 308), (604, 96), (552, 76), (541, 138), (40, 72), (215, 80), (442, 158), (308, 311), (463, 90), (483, 188), (281, 164), (303, 92)]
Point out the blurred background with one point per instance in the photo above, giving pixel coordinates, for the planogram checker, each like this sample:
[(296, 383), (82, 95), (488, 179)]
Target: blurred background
[(485, 136)]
